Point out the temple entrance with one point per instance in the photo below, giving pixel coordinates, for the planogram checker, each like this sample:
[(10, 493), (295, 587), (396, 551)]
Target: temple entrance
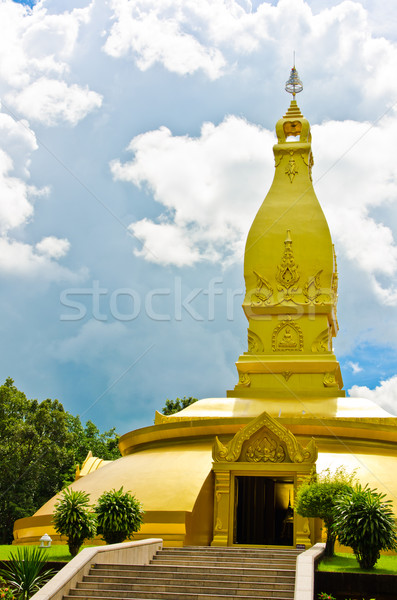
[(256, 473), (263, 511)]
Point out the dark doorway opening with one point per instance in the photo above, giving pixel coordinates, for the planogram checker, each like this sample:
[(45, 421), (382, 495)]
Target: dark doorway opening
[(263, 512)]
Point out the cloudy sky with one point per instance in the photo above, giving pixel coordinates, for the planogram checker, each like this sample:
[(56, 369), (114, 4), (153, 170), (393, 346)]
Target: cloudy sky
[(135, 149)]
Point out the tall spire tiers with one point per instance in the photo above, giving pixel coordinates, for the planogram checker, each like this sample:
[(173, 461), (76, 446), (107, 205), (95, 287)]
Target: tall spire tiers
[(290, 278)]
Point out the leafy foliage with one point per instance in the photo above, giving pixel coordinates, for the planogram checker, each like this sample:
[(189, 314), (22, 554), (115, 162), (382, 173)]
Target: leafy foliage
[(317, 496), (365, 521), (73, 518), (40, 444), (5, 591), (32, 436), (25, 571), (119, 516), (83, 439), (173, 406)]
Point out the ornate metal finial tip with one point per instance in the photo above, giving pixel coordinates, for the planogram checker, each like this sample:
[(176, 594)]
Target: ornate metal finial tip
[(294, 84)]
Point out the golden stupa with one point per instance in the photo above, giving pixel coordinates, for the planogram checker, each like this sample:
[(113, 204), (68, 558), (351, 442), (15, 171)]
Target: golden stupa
[(223, 471)]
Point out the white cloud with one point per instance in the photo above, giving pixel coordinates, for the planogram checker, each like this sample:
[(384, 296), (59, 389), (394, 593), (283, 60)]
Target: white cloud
[(53, 247), (153, 32), (50, 101), (385, 394), (34, 42), (180, 250), (210, 187), (357, 161), (19, 259), (15, 208), (35, 53), (355, 367), (17, 142), (337, 47)]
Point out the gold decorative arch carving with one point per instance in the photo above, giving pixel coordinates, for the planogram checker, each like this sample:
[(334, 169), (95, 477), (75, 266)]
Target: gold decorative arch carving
[(264, 439)]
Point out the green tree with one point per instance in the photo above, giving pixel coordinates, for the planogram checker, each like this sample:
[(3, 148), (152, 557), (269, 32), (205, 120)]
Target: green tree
[(83, 439), (32, 440), (317, 496), (25, 571), (173, 406), (365, 521), (40, 444), (119, 516), (73, 517)]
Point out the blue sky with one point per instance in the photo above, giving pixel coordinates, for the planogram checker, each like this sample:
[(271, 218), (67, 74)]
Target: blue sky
[(135, 151)]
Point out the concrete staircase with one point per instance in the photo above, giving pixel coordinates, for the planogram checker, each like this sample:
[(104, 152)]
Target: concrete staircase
[(195, 573)]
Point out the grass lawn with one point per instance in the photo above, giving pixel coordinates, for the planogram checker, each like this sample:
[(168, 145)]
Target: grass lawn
[(347, 563), (57, 553)]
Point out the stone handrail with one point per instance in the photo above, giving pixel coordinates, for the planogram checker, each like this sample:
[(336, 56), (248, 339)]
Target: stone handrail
[(304, 578), (132, 553)]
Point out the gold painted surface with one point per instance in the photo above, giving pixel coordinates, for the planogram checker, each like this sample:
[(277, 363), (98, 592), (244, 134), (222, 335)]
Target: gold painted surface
[(167, 481), (342, 407), (163, 479)]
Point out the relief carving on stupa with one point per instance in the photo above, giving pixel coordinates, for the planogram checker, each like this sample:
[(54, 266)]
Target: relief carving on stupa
[(264, 440), (287, 271), (322, 342), (244, 380), (286, 278), (255, 345), (291, 169), (330, 380), (287, 337), (313, 291)]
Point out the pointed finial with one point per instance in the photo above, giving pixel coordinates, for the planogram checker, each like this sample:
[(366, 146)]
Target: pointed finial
[(294, 85)]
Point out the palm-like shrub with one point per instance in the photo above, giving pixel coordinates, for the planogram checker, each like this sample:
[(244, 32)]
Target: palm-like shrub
[(119, 516), (365, 521), (25, 571), (74, 518)]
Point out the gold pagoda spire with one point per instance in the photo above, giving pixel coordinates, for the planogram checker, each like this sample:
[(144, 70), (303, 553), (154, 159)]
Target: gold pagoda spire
[(290, 277)]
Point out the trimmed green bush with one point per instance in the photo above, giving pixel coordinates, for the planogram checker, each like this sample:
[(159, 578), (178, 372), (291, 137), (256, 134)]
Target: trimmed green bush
[(317, 495), (365, 521), (119, 516), (73, 517)]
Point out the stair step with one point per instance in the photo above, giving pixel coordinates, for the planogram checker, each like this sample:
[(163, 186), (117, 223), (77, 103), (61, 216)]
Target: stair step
[(229, 549), (181, 578), (223, 563), (195, 573), (226, 558), (172, 596), (196, 584), (126, 590), (205, 550), (219, 571)]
